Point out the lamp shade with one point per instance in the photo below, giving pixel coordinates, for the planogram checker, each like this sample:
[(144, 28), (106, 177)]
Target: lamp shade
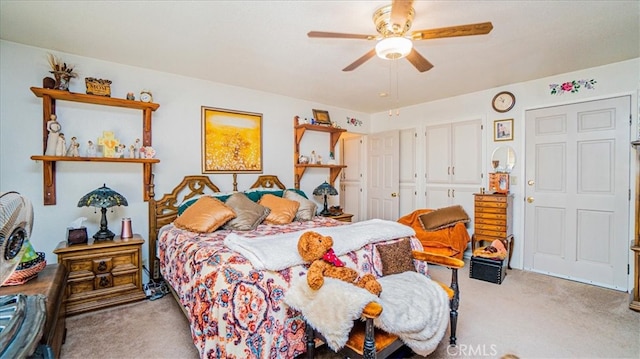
[(392, 48), (103, 198), (325, 190)]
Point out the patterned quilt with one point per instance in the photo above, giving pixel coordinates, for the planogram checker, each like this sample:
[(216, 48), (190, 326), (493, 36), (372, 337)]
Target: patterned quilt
[(237, 311)]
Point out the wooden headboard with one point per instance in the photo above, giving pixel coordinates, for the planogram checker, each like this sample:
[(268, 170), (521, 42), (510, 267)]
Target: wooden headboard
[(165, 210)]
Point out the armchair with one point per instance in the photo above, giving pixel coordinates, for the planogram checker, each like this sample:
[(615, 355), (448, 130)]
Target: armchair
[(367, 342)]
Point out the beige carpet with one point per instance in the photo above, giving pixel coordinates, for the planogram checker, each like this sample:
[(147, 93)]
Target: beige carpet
[(528, 315)]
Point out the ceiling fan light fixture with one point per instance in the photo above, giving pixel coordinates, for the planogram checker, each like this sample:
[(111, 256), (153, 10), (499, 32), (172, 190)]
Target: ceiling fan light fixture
[(392, 48)]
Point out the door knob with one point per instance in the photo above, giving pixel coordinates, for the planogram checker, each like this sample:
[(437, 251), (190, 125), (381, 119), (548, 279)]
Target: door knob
[(394, 194), (531, 182), (530, 199)]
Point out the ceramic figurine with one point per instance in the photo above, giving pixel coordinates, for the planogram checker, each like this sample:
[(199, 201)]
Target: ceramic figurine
[(132, 151), (61, 145), (120, 151), (74, 148), (52, 138), (91, 149)]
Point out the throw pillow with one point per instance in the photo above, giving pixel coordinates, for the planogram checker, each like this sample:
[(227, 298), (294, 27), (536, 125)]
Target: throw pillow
[(206, 215), (185, 204), (443, 218), (248, 213), (396, 257), (307, 209), (283, 210)]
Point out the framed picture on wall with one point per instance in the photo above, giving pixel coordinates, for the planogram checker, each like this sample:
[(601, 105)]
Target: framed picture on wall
[(231, 141), (503, 130)]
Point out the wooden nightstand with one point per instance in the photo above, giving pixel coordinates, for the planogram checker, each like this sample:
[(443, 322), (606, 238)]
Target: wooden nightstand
[(102, 274), (345, 217), (50, 282)]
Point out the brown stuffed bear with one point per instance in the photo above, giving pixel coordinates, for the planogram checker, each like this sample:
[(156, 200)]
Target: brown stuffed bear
[(316, 248)]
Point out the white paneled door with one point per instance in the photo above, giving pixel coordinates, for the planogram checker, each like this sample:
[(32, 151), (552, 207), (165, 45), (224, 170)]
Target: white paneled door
[(577, 191), (383, 175)]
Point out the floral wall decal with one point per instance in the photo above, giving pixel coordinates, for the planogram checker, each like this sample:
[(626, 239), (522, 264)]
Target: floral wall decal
[(572, 86), (353, 121)]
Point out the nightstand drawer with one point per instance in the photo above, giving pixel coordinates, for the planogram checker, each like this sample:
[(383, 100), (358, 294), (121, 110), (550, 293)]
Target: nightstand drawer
[(481, 205)]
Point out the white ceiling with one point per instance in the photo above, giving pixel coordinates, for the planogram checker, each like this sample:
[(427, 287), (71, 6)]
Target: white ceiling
[(263, 45)]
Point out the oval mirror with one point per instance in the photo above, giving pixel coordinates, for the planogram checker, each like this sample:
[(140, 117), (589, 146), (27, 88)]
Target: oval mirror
[(503, 159)]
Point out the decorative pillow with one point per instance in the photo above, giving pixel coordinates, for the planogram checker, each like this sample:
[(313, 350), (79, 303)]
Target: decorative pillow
[(396, 257), (283, 210), (248, 213), (307, 209), (255, 194), (184, 205), (206, 215), (443, 218)]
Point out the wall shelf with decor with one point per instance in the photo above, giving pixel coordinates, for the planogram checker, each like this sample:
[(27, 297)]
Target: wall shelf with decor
[(49, 97), (300, 168)]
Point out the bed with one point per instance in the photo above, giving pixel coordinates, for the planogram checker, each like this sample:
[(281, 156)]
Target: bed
[(235, 309)]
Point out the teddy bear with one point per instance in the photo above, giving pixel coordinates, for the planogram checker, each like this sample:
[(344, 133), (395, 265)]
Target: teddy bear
[(317, 249)]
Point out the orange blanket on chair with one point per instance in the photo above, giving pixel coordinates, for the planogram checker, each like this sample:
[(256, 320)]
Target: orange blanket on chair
[(451, 241)]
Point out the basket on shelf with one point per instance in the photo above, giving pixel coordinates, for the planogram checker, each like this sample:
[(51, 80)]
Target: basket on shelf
[(98, 87)]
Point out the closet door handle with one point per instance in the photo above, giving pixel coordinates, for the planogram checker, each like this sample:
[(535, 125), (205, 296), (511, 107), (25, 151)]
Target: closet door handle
[(449, 192), (449, 170), (453, 193), (453, 170)]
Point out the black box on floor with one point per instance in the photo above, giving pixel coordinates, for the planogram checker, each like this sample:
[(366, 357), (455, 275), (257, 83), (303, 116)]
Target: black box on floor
[(487, 269)]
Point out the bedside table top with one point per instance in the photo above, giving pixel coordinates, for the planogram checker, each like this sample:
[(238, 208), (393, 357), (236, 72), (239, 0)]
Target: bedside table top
[(117, 241)]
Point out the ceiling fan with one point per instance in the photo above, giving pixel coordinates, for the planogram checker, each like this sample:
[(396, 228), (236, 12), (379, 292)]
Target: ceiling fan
[(394, 39)]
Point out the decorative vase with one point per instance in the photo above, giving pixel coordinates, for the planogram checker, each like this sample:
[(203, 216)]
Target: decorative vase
[(62, 80)]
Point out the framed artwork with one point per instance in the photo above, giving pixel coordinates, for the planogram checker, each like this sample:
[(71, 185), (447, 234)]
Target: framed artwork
[(231, 141), (503, 130), (321, 117)]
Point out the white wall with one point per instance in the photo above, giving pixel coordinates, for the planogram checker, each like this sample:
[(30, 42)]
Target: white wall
[(176, 138), (617, 79)]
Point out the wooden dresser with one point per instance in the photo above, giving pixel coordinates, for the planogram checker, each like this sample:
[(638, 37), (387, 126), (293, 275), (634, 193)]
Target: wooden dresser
[(493, 220), (50, 282), (102, 274)]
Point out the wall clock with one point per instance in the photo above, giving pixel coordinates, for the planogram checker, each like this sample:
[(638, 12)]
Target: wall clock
[(503, 101), (145, 96)]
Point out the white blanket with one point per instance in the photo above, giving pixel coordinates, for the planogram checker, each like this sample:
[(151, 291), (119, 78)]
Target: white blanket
[(414, 308), (280, 251)]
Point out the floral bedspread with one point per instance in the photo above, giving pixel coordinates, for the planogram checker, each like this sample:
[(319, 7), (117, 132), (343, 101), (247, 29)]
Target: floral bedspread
[(236, 311)]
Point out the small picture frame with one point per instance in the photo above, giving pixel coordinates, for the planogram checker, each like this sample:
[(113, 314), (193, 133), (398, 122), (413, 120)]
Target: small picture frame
[(503, 130), (322, 117)]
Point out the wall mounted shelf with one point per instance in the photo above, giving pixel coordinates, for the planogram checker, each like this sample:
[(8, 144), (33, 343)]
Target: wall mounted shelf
[(300, 168), (49, 97)]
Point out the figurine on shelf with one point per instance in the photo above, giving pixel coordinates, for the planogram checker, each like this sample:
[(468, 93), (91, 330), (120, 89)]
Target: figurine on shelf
[(319, 160), (74, 148), (119, 151), (132, 151), (52, 139), (130, 96), (91, 149), (61, 146), (313, 157), (136, 149)]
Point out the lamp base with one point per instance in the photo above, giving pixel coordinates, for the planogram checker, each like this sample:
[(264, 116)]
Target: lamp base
[(326, 213), (104, 235)]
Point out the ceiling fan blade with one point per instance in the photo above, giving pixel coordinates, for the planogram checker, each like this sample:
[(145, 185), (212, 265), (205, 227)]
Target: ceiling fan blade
[(400, 12), (453, 31), (339, 35), (419, 61), (360, 61)]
